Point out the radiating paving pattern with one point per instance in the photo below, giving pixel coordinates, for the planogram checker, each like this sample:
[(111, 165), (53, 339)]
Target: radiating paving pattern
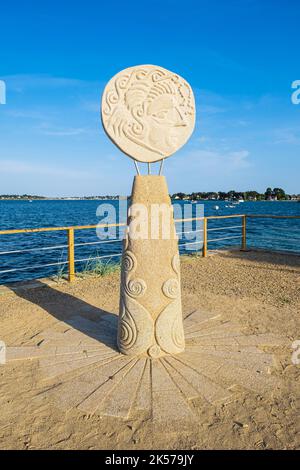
[(80, 367)]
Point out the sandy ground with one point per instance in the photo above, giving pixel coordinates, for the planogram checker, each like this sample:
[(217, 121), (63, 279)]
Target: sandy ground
[(259, 291)]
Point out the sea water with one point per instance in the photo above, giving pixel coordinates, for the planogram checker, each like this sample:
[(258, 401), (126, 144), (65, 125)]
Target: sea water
[(274, 234)]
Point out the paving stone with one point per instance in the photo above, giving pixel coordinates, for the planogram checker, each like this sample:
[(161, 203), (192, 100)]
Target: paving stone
[(28, 352), (185, 387), (76, 390), (54, 367), (119, 402), (199, 316), (211, 391), (254, 381), (224, 330), (168, 403), (267, 339), (109, 380), (243, 359), (78, 366), (143, 396)]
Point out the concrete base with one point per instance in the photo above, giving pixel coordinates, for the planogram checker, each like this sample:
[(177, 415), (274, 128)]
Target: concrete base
[(150, 319)]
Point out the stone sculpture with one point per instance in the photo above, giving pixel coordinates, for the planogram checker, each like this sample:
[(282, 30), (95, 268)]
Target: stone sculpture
[(149, 113), (75, 362)]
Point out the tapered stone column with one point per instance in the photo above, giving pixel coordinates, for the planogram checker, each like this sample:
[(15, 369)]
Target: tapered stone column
[(149, 114), (150, 320)]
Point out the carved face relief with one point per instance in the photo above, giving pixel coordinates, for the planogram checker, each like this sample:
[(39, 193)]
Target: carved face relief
[(148, 112)]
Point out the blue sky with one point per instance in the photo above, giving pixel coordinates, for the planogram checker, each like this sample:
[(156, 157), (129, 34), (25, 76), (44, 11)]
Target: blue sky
[(240, 56)]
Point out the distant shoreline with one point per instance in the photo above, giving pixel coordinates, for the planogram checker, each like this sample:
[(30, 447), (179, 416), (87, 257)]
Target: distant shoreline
[(114, 198), (276, 194), (100, 198)]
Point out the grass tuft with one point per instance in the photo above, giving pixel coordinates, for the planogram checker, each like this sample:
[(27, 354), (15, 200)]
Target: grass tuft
[(99, 268)]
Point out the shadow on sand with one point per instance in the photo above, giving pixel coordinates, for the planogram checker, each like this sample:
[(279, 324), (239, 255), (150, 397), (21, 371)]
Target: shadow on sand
[(73, 311)]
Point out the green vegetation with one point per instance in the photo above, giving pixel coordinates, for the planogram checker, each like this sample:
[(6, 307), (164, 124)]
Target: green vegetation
[(62, 272), (98, 267), (26, 197), (94, 267), (276, 194)]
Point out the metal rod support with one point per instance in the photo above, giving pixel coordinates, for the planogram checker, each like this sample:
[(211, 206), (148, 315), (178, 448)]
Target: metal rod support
[(137, 167), (161, 166)]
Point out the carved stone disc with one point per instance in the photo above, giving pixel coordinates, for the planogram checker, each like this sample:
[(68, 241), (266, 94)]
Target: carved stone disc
[(148, 112)]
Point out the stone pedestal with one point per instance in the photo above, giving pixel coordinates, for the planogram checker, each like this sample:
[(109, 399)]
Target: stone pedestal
[(150, 318)]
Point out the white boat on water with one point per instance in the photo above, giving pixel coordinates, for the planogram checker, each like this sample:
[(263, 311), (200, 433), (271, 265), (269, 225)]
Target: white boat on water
[(216, 208)]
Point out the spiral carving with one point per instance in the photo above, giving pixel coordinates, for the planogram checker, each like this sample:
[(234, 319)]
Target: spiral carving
[(135, 332), (121, 83), (157, 75), (171, 288), (110, 99), (128, 333), (129, 261), (135, 287), (140, 74)]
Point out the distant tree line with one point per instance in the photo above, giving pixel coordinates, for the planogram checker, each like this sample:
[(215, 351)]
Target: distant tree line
[(20, 196), (31, 197), (277, 194), (270, 194)]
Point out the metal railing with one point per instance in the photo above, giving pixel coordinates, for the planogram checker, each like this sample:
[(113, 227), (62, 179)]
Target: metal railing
[(70, 231)]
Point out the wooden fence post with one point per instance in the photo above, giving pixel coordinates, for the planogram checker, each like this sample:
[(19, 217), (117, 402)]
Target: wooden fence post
[(244, 232), (204, 249), (71, 254)]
